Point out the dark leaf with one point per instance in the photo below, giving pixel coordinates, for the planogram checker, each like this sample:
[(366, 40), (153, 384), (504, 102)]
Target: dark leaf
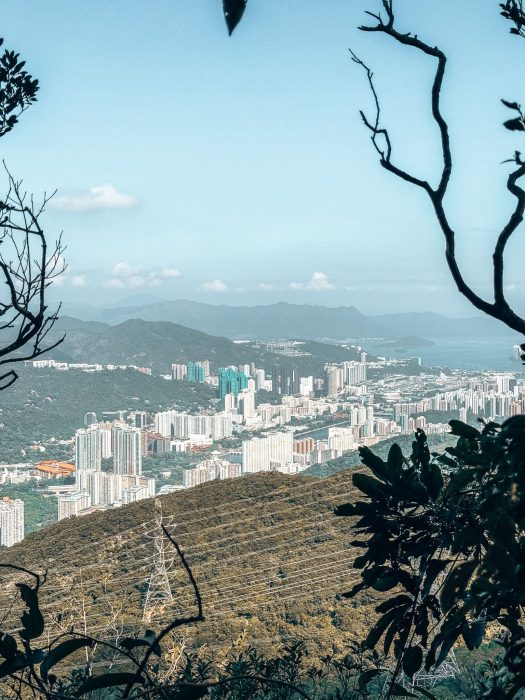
[(459, 481), (381, 625), (61, 651), (8, 647), (32, 620), (372, 487), (192, 691), (367, 676), (456, 584), (434, 568), (374, 463), (412, 660), (511, 105), (433, 480), (473, 633), (20, 661), (130, 643), (396, 602), (108, 680), (514, 124), (395, 460), (233, 12), (346, 509), (463, 430)]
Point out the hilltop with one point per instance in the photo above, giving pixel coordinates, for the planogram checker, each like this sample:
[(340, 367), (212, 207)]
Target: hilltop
[(268, 554)]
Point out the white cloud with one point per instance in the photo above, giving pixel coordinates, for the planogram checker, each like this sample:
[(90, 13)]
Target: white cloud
[(104, 196), (215, 286), (79, 281), (115, 284), (170, 272), (125, 275), (266, 287), (124, 269), (317, 283)]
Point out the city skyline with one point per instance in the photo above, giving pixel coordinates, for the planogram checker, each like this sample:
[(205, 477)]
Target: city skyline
[(150, 189)]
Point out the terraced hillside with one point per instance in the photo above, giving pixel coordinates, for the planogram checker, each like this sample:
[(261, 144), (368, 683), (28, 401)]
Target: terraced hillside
[(267, 552)]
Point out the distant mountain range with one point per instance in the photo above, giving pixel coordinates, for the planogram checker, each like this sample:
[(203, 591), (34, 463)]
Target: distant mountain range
[(284, 320), (158, 344)]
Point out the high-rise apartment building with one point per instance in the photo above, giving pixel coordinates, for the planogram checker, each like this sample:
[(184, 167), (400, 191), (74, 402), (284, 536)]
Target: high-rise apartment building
[(260, 379), (197, 371), (285, 380), (262, 453), (89, 419), (88, 448), (11, 521), (179, 372), (231, 381), (183, 425), (246, 403), (333, 379), (127, 457), (70, 504)]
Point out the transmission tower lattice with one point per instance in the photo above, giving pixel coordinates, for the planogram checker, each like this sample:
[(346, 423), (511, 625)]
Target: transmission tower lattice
[(428, 679), (159, 589)]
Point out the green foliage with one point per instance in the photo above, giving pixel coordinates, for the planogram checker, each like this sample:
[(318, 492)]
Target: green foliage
[(448, 532), (39, 510)]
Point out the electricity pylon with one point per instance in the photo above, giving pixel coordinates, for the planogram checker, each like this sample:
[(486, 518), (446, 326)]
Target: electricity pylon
[(159, 590)]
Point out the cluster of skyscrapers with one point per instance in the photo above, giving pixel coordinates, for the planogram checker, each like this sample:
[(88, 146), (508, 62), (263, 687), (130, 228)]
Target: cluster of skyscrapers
[(116, 441)]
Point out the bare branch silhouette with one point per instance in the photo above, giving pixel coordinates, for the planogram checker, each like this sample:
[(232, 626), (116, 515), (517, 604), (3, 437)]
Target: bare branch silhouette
[(499, 308), (27, 268)]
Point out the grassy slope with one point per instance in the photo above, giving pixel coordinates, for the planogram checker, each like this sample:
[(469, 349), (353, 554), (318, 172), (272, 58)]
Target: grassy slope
[(268, 554)]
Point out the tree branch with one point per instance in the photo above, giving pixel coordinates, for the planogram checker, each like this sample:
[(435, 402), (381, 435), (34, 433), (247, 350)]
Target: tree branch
[(499, 308)]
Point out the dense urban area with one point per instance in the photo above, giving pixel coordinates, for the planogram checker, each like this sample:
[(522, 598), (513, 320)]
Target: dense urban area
[(249, 420)]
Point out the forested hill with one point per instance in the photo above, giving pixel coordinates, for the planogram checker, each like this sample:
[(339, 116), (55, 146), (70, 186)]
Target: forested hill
[(269, 556), (159, 344)]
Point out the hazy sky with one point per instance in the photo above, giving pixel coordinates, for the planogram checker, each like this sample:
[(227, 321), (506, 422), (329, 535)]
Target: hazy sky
[(236, 170)]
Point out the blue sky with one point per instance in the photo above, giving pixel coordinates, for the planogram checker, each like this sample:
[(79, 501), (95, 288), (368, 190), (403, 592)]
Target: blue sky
[(236, 170)]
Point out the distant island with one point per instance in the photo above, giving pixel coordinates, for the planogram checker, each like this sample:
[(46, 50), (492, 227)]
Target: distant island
[(407, 342)]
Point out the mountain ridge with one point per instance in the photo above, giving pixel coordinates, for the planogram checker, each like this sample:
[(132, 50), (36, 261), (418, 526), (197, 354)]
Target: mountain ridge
[(287, 320)]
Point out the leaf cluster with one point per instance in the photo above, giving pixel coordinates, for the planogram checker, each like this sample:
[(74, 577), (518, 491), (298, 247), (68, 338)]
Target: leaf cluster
[(445, 536), (18, 89)]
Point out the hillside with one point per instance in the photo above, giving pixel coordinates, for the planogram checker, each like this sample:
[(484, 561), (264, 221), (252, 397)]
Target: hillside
[(159, 344), (46, 403), (268, 554)]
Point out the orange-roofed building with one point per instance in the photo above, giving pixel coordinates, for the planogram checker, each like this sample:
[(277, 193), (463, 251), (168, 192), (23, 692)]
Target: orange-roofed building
[(51, 469)]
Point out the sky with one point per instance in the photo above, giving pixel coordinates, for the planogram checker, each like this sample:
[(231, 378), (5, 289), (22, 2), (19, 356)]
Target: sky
[(189, 164)]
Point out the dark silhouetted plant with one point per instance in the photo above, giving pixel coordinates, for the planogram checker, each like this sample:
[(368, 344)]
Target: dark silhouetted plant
[(444, 535)]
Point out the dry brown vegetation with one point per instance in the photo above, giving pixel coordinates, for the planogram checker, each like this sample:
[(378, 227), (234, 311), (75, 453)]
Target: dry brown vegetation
[(267, 551)]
